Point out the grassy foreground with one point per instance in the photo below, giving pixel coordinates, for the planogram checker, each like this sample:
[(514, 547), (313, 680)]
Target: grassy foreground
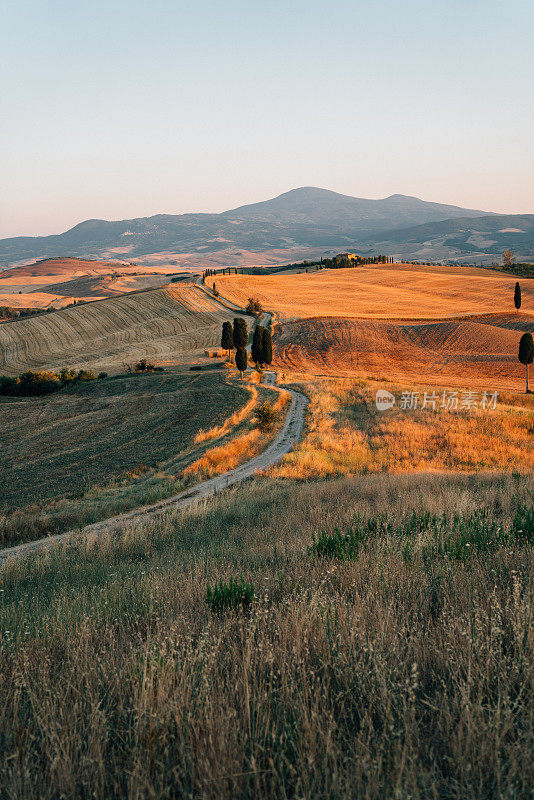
[(404, 671)]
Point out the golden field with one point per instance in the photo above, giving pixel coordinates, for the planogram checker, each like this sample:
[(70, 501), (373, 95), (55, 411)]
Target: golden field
[(381, 291), (478, 352), (387, 650), (453, 326), (57, 282)]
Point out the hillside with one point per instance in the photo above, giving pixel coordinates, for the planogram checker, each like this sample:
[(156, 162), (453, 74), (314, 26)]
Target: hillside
[(297, 223), (469, 235), (57, 282), (168, 325), (310, 205), (480, 353), (400, 291)]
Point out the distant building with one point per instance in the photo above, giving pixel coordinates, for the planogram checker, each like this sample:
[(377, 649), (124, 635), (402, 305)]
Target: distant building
[(345, 257)]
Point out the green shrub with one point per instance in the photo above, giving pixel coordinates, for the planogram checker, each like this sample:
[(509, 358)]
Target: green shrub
[(102, 376), (86, 375), (232, 595), (254, 306), (267, 417), (8, 386), (338, 545), (38, 383)]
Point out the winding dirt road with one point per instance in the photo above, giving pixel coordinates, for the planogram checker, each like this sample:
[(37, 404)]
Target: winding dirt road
[(282, 444)]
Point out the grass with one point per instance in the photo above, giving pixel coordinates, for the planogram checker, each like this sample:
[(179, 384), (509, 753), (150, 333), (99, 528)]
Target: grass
[(401, 672), (94, 450), (345, 433)]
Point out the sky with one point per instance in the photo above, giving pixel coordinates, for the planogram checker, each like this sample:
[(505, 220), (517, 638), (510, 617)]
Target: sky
[(117, 109)]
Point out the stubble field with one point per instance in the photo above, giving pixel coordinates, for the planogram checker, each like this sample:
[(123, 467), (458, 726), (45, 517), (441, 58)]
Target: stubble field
[(172, 325)]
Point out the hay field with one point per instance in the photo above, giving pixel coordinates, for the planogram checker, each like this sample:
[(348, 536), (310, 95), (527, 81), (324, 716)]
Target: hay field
[(169, 325), (383, 291), (56, 282), (480, 352)]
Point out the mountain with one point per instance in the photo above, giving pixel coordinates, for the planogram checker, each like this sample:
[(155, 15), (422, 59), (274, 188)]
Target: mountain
[(296, 224), (453, 237), (310, 205)]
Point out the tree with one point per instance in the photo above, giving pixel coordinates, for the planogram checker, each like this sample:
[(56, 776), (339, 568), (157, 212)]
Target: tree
[(266, 347), (517, 296), (227, 338), (508, 257), (240, 332), (526, 353), (215, 290), (257, 346), (241, 359), (254, 306)]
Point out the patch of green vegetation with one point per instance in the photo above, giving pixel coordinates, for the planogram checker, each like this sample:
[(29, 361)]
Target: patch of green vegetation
[(236, 594)]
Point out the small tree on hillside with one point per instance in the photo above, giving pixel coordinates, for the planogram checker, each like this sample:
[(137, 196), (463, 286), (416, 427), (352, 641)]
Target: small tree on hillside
[(526, 353), (241, 360), (517, 296), (227, 339), (507, 258), (215, 290), (254, 306), (266, 347), (240, 332), (257, 346)]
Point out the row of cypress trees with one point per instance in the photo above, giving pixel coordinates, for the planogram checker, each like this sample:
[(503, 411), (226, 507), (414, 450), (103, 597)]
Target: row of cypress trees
[(235, 337)]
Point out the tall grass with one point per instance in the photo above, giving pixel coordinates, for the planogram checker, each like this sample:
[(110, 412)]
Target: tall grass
[(346, 434), (401, 672)]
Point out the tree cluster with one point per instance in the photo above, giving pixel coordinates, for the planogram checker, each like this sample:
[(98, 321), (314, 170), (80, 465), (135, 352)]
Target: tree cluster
[(262, 347), (33, 384)]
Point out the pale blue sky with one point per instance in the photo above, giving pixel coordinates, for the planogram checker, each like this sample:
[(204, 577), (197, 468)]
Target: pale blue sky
[(120, 109)]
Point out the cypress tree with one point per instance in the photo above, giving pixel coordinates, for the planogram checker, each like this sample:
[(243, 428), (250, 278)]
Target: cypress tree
[(526, 352), (266, 346), (241, 359), (240, 332), (257, 346), (517, 296), (227, 338)]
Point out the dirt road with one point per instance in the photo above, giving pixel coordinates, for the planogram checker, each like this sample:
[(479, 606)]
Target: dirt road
[(282, 444)]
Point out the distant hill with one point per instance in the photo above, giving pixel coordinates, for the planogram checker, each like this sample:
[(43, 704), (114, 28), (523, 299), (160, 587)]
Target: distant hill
[(469, 235), (297, 222), (309, 205)]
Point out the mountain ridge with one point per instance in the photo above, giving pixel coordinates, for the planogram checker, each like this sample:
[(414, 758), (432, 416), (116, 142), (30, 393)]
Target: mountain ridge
[(305, 219)]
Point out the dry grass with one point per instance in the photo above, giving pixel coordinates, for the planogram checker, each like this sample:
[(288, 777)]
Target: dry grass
[(226, 457), (243, 447), (388, 291), (399, 674), (168, 326), (345, 434)]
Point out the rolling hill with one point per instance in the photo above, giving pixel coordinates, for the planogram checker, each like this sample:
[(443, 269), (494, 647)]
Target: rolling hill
[(170, 326), (294, 225), (469, 235), (382, 291)]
